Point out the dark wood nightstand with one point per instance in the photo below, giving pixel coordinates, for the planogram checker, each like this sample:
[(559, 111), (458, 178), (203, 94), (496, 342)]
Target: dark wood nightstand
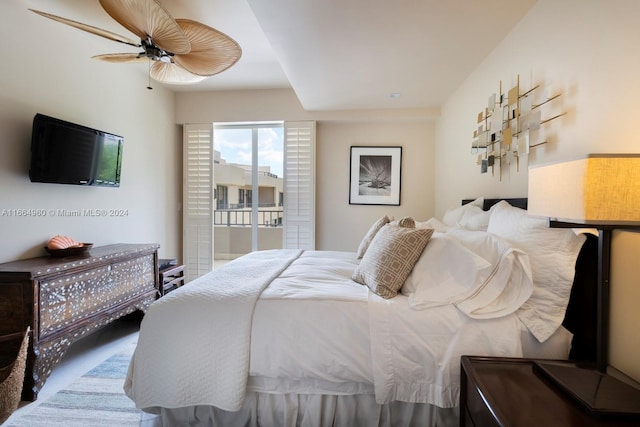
[(507, 392), (171, 277)]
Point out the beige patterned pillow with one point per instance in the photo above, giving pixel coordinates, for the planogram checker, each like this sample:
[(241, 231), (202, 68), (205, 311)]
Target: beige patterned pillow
[(390, 258), (366, 241), (405, 221)]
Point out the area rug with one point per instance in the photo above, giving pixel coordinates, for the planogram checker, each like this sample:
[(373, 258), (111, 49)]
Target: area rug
[(95, 399)]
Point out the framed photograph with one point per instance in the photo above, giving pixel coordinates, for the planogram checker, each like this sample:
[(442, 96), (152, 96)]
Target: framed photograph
[(375, 175)]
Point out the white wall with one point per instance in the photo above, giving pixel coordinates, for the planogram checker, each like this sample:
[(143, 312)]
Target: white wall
[(625, 294), (581, 48), (585, 49), (339, 226), (41, 73)]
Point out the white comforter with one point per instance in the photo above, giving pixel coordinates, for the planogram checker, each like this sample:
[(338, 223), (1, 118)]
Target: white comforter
[(416, 354), (194, 343), (313, 330)]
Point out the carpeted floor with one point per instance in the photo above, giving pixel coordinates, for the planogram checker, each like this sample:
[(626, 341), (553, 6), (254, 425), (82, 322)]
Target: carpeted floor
[(95, 399)]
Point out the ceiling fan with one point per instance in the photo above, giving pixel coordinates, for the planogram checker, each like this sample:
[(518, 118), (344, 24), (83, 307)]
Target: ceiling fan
[(179, 51)]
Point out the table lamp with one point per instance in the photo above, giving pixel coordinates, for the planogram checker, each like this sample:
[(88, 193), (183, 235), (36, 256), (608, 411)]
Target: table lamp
[(598, 191)]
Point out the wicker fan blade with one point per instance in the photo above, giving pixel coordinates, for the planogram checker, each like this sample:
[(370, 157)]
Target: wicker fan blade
[(88, 28), (121, 57), (147, 18), (211, 50), (167, 72)]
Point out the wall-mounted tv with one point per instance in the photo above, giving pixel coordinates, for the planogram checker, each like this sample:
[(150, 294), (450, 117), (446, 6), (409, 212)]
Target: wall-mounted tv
[(68, 153)]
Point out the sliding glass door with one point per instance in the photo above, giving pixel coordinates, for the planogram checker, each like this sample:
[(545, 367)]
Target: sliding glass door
[(249, 188)]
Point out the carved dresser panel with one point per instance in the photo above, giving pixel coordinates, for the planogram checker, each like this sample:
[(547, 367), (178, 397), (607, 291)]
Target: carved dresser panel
[(65, 299)]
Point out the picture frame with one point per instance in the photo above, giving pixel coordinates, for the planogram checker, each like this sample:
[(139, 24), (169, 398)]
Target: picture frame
[(375, 175)]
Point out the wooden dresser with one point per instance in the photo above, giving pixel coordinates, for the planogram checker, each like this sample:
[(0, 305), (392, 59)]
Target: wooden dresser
[(65, 299)]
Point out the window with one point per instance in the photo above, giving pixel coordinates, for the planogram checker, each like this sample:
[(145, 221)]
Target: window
[(223, 201), (293, 214), (251, 159), (241, 193)]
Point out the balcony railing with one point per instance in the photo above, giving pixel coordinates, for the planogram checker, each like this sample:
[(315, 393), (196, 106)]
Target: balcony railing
[(240, 206), (242, 218)]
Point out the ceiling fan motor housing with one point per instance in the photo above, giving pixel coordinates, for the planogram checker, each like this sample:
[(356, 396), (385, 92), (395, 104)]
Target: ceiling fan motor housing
[(154, 53)]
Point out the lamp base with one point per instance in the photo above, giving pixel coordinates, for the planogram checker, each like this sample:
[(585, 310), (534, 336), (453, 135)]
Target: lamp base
[(599, 393)]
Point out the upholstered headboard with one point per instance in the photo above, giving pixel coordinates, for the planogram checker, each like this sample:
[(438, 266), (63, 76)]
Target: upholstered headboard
[(580, 317), (581, 314), (520, 202)]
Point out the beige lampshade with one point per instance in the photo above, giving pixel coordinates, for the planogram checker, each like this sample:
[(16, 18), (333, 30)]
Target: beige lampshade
[(597, 189)]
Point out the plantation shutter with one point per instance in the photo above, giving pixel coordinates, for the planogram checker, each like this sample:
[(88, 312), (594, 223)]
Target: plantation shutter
[(299, 185), (197, 216)]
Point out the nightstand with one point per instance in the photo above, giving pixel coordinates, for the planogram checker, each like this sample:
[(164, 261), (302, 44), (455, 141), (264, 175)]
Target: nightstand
[(506, 392), (171, 277)]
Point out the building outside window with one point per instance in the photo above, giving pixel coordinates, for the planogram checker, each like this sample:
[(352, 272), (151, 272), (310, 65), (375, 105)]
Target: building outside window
[(248, 175)]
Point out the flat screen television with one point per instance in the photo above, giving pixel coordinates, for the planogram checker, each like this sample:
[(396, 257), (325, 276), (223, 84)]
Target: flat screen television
[(68, 153)]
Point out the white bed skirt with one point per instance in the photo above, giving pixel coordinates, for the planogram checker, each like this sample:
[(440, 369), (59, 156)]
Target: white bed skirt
[(307, 410)]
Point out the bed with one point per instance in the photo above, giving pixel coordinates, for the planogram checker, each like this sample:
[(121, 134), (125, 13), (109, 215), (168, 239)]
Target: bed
[(371, 337)]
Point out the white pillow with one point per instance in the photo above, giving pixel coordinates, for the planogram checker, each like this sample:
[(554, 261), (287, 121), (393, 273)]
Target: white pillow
[(452, 217), (481, 274), (507, 285), (433, 223), (444, 270), (552, 255), (474, 218)]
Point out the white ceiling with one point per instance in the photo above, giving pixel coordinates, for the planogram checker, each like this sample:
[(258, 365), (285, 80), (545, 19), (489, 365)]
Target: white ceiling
[(337, 54)]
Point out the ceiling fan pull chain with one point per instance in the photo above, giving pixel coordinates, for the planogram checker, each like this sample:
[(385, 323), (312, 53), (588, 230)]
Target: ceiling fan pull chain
[(149, 74)]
